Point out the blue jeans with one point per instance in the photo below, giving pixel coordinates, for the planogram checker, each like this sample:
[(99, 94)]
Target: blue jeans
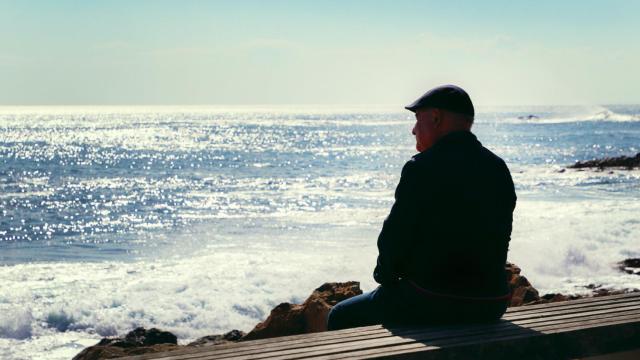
[(398, 304)]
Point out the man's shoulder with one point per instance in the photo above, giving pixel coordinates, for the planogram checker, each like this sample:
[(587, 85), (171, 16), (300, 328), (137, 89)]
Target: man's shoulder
[(421, 158), (493, 157), (418, 162)]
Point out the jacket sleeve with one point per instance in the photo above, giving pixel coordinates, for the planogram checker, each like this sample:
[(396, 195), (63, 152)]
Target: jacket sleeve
[(395, 237)]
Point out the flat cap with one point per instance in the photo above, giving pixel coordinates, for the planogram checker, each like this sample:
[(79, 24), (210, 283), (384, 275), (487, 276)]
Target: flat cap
[(447, 97)]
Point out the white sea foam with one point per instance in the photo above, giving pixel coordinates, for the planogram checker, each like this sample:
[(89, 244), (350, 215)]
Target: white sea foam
[(15, 323), (563, 246), (566, 183), (211, 291)]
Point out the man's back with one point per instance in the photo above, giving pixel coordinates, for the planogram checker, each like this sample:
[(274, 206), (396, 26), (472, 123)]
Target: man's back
[(450, 226), (464, 200)]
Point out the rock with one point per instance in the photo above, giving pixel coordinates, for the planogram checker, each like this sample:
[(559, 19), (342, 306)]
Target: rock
[(597, 290), (136, 342), (606, 292), (142, 337), (522, 292), (630, 266), (632, 263), (318, 305), (231, 336), (284, 319), (315, 313), (554, 297), (528, 117), (308, 317), (628, 162)]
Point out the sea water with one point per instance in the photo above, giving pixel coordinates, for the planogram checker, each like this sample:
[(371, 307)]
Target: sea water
[(199, 220)]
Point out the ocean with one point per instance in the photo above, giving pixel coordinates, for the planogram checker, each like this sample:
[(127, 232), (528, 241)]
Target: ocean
[(199, 220)]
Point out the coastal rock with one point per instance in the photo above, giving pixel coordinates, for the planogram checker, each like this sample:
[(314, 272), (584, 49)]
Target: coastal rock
[(284, 319), (628, 162), (607, 292), (142, 337), (630, 266), (318, 305), (308, 317), (554, 297), (597, 290), (209, 340), (522, 292), (136, 342)]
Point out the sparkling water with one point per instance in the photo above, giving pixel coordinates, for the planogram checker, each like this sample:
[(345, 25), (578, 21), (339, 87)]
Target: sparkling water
[(200, 220)]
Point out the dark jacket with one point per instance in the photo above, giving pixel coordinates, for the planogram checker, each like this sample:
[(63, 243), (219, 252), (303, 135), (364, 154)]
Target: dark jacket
[(450, 226)]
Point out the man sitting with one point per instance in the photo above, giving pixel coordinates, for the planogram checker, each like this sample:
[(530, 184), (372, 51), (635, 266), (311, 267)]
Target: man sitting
[(443, 247)]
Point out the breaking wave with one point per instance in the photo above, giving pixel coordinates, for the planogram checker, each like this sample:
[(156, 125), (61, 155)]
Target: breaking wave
[(598, 113)]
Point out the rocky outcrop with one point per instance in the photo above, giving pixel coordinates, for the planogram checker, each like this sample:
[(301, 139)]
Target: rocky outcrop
[(630, 266), (522, 291), (597, 290), (525, 294), (136, 342), (628, 162), (143, 341), (308, 317), (209, 340)]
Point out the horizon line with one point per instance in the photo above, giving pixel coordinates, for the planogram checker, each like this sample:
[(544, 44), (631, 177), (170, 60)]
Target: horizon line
[(377, 105)]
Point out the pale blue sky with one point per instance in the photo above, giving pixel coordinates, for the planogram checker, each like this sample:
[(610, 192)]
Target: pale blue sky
[(317, 52)]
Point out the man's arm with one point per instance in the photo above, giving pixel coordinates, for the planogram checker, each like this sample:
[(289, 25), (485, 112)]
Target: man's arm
[(395, 238)]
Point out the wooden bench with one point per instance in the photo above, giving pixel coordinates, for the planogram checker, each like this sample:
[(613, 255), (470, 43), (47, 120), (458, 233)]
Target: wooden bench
[(563, 330)]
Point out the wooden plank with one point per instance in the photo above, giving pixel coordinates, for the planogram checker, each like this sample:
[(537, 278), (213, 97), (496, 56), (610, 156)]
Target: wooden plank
[(480, 338), (394, 340), (303, 350), (577, 301), (569, 304), (620, 334), (483, 335), (559, 311), (560, 345), (304, 343), (376, 331)]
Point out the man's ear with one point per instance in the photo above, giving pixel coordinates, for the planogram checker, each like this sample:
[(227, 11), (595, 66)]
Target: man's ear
[(437, 117)]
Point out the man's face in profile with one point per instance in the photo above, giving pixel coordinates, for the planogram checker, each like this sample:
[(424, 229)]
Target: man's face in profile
[(425, 129)]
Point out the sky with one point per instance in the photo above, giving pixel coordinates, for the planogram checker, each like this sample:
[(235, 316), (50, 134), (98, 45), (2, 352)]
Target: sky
[(317, 52)]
